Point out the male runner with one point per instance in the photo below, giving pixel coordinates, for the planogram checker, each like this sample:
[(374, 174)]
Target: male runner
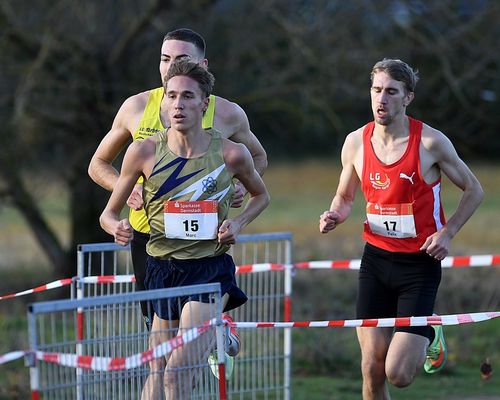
[(190, 168), (398, 162), (144, 114)]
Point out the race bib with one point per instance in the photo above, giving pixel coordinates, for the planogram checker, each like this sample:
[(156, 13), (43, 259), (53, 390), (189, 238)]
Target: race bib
[(391, 220), (191, 220)]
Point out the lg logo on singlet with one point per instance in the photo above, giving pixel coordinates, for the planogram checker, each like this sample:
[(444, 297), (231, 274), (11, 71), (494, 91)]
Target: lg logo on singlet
[(378, 182)]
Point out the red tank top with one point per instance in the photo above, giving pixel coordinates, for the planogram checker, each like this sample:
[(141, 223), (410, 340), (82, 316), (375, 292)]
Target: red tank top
[(402, 210)]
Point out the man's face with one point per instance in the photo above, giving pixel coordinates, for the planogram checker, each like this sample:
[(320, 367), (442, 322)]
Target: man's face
[(389, 98), (172, 50), (185, 103)]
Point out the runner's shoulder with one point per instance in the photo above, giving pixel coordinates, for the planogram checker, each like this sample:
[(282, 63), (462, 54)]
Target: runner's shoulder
[(131, 111), (433, 139), (136, 102), (228, 111), (354, 139), (143, 148)]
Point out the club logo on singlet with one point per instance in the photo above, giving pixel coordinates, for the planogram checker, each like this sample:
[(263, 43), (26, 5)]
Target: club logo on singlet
[(144, 132), (378, 181), (209, 185)]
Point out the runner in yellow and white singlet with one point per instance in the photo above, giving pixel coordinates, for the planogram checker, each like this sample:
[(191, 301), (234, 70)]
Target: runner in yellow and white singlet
[(143, 115)]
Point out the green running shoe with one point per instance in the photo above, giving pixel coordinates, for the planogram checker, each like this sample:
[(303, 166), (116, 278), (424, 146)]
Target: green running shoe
[(214, 365), (436, 352)]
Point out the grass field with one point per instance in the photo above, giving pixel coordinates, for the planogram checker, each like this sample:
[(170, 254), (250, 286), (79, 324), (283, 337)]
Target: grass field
[(462, 384), (325, 361)]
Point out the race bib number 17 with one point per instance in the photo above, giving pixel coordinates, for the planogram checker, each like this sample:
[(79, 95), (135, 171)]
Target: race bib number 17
[(391, 220), (191, 220)]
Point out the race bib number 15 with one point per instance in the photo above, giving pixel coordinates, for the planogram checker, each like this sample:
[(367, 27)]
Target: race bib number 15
[(191, 220)]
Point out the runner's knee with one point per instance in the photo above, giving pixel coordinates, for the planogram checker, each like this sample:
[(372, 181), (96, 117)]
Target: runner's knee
[(399, 376)]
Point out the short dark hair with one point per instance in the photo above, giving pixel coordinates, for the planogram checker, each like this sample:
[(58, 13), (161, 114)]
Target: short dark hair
[(194, 71), (398, 70), (187, 35)]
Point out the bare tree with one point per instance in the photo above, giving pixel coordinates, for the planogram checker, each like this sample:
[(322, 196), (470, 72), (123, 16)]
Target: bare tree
[(303, 67), (68, 67), (300, 69)]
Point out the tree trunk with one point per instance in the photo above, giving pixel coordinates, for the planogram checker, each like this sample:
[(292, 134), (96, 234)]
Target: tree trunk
[(87, 201), (28, 208)]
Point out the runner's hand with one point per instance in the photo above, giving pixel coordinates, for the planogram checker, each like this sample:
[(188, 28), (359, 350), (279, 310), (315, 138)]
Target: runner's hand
[(228, 232), (123, 232), (238, 196), (437, 245), (135, 200), (328, 221)]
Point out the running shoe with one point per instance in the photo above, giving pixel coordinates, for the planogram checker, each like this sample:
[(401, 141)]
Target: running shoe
[(436, 352), (232, 339), (214, 365)]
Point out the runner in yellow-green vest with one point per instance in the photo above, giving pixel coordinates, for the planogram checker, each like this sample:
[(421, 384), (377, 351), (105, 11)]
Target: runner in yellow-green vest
[(143, 115), (188, 176), (150, 124)]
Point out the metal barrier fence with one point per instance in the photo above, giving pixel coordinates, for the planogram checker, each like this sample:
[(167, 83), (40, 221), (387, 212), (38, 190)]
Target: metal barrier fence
[(263, 367), (94, 348)]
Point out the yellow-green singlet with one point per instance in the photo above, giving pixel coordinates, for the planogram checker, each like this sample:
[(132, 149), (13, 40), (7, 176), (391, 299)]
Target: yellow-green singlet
[(149, 125), (180, 179)]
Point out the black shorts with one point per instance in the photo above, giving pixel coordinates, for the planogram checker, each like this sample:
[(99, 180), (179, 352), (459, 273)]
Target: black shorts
[(139, 258), (139, 261), (174, 273), (394, 284)]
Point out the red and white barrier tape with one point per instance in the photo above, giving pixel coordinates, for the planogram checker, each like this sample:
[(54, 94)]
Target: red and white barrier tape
[(51, 285), (102, 279), (471, 261), (108, 279), (118, 363), (121, 363), (67, 281), (455, 319), (264, 267), (448, 262), (336, 264), (13, 355), (136, 360)]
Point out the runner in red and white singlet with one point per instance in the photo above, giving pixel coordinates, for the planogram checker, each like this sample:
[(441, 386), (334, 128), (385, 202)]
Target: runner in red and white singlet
[(397, 161), (402, 209)]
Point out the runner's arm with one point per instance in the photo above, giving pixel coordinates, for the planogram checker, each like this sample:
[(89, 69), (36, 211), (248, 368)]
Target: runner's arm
[(459, 173), (132, 168), (241, 133), (343, 200), (239, 162), (244, 135), (100, 168)]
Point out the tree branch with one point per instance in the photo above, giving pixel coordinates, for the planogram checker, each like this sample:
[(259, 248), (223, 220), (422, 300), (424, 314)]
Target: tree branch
[(27, 206), (140, 23)]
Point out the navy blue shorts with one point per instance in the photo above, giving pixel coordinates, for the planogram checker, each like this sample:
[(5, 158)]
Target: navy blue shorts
[(397, 285), (161, 274)]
